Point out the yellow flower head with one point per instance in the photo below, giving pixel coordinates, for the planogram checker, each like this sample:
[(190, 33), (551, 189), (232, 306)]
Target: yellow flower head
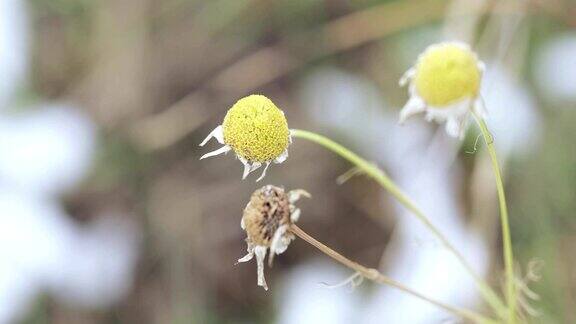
[(256, 129), (445, 84), (447, 73)]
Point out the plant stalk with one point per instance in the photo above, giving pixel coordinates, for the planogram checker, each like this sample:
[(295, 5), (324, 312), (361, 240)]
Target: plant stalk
[(376, 276), (506, 237), (380, 176)]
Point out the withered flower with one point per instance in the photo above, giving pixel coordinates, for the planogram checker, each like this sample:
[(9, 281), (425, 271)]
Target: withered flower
[(266, 220)]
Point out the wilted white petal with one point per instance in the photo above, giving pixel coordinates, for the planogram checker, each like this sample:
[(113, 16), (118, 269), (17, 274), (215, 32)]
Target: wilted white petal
[(263, 172), (282, 157), (282, 245), (247, 167), (247, 257), (255, 166), (432, 115), (480, 108), (454, 127), (295, 216), (481, 66), (222, 150), (260, 252), (406, 77), (217, 133), (294, 195), (414, 106), (276, 243)]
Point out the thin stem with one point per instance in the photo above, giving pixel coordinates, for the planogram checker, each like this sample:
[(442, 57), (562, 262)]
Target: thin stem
[(376, 276), (380, 176), (507, 240)]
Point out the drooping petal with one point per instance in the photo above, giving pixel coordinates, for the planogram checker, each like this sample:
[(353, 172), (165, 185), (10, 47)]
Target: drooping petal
[(260, 252), (295, 216), (255, 166), (263, 172), (282, 157), (414, 106), (250, 249), (247, 167), (223, 150), (217, 133), (481, 66), (284, 242), (407, 76), (455, 127), (480, 108), (277, 245), (247, 257), (294, 195)]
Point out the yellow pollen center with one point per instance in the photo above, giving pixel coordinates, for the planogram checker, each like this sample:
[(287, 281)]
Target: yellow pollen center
[(447, 73), (256, 129)]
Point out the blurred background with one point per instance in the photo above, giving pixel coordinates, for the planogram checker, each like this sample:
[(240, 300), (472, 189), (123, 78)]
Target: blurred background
[(108, 216)]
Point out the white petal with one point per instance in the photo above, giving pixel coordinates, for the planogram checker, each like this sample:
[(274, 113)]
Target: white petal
[(481, 67), (263, 172), (295, 216), (223, 150), (407, 76), (280, 242), (247, 257), (255, 166), (284, 242), (217, 133), (414, 106), (247, 167), (276, 238), (430, 116), (294, 195), (260, 252), (455, 127), (282, 157), (480, 108), (242, 225)]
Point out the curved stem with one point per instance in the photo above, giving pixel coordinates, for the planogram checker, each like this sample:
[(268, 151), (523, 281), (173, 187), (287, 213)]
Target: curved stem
[(506, 237), (376, 276), (377, 174)]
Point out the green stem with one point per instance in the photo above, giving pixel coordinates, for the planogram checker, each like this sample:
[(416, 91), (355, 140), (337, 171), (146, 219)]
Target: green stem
[(507, 244), (377, 174)]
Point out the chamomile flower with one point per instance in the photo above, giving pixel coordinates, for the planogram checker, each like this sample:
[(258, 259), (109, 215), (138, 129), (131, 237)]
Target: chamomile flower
[(445, 84), (256, 130), (266, 220)]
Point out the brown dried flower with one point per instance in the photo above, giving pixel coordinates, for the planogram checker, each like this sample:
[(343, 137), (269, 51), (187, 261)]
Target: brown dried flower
[(266, 220)]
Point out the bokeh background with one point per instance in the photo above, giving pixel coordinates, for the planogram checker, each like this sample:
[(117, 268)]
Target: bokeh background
[(108, 216)]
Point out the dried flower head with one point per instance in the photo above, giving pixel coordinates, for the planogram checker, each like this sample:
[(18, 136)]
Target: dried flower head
[(256, 130), (266, 220), (445, 83)]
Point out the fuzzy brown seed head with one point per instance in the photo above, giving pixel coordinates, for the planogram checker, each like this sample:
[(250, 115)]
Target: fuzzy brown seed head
[(268, 209)]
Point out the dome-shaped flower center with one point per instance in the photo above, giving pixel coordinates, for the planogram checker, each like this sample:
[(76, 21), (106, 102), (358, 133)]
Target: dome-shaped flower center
[(447, 73), (256, 129)]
